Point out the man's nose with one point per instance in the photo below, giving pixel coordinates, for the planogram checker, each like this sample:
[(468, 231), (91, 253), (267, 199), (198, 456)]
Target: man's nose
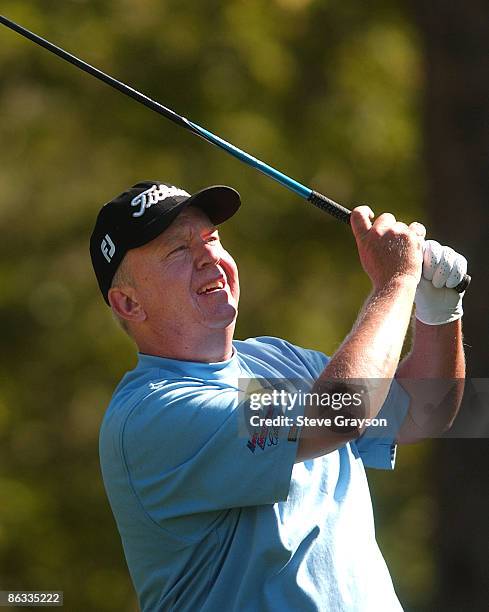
[(208, 253)]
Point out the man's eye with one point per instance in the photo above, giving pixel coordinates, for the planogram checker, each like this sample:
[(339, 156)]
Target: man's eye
[(182, 247), (214, 238)]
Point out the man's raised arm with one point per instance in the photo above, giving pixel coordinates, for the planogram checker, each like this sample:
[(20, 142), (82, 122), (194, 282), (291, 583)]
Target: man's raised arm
[(391, 254), (433, 373)]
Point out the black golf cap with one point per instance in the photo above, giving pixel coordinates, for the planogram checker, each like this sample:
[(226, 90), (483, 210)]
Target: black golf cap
[(142, 213)]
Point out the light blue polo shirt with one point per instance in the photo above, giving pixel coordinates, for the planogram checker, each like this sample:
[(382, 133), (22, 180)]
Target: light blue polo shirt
[(211, 520)]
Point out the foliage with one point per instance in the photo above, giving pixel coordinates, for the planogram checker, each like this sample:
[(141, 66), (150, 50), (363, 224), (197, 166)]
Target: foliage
[(326, 91)]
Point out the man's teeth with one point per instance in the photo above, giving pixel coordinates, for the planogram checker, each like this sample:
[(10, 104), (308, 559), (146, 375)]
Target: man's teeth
[(210, 287)]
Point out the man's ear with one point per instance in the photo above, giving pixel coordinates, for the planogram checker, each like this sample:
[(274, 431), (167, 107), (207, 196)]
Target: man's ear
[(124, 303)]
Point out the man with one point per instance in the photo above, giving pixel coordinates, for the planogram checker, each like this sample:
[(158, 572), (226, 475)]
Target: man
[(282, 519)]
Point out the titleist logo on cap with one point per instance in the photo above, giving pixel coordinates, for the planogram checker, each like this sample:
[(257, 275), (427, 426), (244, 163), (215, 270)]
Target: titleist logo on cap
[(153, 195)]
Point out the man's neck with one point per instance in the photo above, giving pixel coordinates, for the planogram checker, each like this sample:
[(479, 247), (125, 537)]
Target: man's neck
[(213, 347)]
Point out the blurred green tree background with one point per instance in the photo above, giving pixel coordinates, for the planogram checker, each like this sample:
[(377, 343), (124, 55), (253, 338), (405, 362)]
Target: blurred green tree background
[(328, 91)]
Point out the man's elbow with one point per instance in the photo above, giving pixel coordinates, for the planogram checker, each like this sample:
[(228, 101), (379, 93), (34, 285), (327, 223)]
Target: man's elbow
[(431, 420)]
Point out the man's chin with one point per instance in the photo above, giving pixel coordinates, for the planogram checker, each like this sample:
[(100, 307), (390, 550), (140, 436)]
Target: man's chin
[(222, 319)]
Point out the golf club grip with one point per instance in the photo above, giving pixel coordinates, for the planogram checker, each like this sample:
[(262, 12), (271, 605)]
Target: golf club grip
[(330, 206), (463, 284), (343, 214)]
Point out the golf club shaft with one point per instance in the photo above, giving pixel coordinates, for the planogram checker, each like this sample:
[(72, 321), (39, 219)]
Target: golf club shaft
[(321, 201), (342, 213)]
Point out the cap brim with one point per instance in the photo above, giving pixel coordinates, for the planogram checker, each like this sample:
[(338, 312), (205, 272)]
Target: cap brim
[(218, 202)]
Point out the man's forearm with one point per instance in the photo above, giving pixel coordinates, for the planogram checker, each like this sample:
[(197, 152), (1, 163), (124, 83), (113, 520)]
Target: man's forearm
[(368, 357), (433, 376), (373, 347), (372, 350)]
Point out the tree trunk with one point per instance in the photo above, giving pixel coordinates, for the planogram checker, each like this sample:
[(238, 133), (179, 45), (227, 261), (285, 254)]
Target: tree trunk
[(455, 39)]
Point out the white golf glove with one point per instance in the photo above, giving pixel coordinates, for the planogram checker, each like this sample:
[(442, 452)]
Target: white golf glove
[(436, 300)]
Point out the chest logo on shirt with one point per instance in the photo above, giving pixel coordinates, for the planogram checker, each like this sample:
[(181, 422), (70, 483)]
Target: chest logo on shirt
[(264, 436)]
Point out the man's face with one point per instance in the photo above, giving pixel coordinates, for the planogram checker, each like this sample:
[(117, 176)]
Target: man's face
[(184, 279)]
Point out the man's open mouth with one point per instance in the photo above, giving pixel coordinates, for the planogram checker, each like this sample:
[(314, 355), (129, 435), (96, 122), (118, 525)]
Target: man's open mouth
[(210, 287)]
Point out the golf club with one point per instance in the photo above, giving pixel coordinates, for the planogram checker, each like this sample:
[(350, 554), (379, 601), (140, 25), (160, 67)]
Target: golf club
[(318, 199)]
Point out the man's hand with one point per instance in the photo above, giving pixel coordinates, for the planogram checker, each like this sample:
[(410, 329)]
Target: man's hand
[(436, 301), (387, 248)]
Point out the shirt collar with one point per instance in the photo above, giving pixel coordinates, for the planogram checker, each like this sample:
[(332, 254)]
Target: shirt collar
[(192, 369)]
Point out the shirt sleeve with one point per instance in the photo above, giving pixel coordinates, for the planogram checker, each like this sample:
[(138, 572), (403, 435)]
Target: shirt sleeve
[(377, 446), (186, 453)]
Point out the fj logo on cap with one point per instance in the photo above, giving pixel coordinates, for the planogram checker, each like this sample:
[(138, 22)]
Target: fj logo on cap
[(153, 195), (108, 248)]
